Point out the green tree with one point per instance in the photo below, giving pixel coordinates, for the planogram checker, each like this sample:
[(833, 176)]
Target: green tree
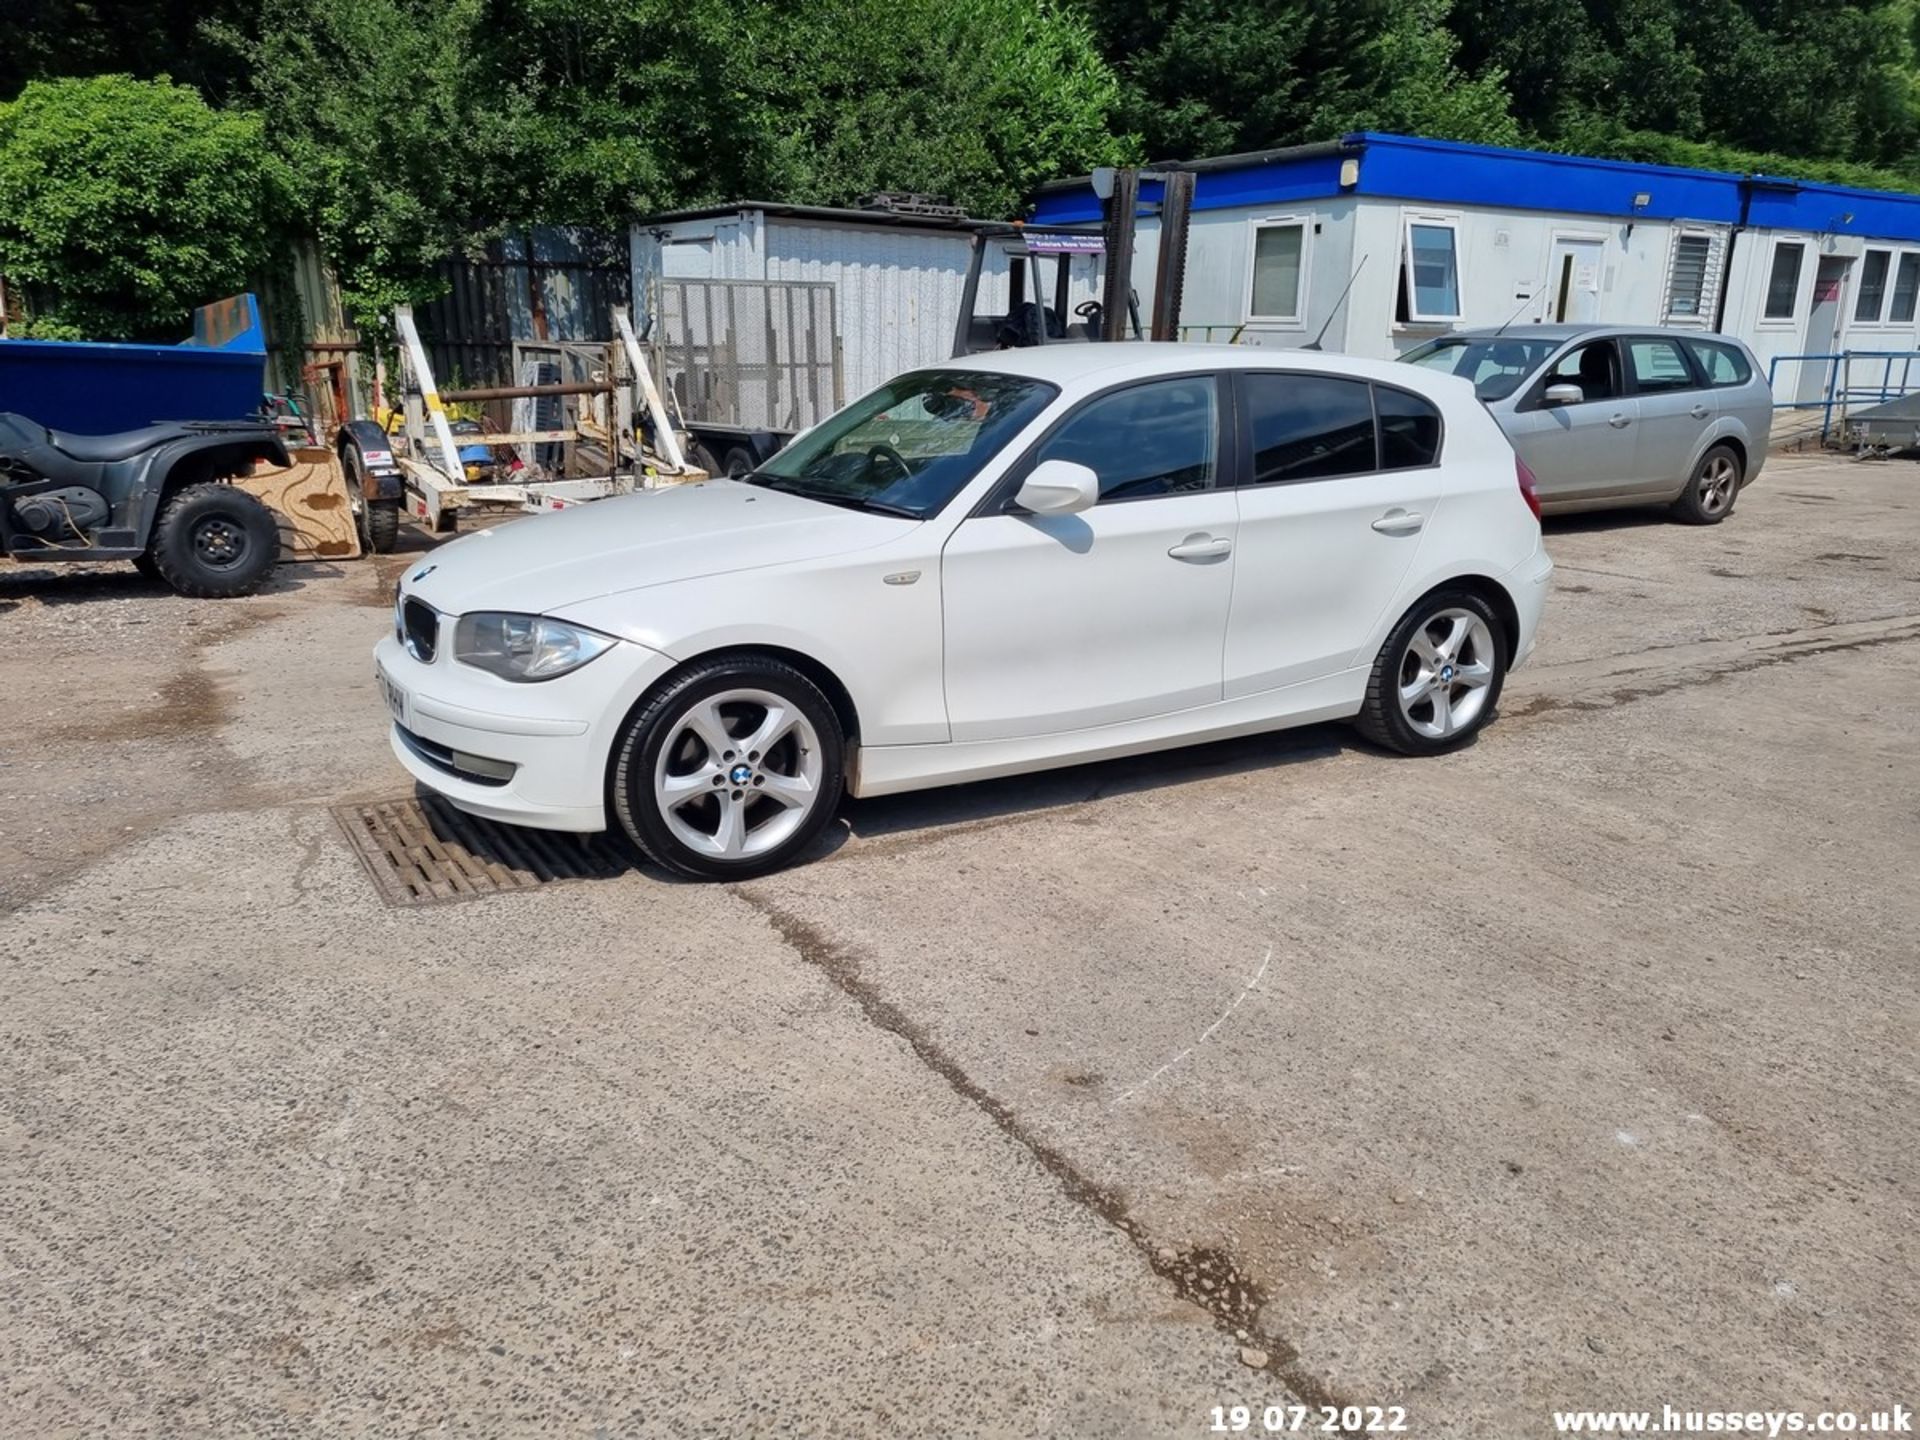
[(125, 203), (420, 127), (407, 142), (1211, 77)]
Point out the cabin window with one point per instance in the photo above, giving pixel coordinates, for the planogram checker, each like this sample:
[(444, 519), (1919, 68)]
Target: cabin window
[(1278, 249), (1783, 284), (1432, 272), (1872, 299), (1689, 281), (1906, 285)]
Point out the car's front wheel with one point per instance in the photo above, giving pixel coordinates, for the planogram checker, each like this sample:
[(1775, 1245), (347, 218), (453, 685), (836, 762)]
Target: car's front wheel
[(1437, 677), (731, 769)]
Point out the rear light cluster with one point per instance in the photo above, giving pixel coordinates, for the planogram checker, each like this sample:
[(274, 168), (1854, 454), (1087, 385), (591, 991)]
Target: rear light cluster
[(1527, 483)]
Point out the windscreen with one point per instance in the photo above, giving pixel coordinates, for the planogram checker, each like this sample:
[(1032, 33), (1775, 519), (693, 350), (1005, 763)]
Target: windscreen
[(910, 446), (1496, 364)]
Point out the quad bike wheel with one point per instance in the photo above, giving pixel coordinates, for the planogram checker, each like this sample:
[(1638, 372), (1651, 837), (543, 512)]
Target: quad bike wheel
[(213, 541)]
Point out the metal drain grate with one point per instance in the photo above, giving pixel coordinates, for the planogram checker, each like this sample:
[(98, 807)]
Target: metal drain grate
[(422, 850)]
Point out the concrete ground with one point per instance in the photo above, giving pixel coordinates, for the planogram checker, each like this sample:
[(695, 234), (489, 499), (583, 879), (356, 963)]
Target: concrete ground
[(1577, 1069)]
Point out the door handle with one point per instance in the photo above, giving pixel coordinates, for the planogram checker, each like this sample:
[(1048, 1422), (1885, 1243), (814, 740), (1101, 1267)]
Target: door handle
[(1619, 422), (1400, 522), (1699, 412), (1201, 546)]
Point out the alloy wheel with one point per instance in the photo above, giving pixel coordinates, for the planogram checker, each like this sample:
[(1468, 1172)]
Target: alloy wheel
[(1444, 673), (1716, 483), (739, 774)]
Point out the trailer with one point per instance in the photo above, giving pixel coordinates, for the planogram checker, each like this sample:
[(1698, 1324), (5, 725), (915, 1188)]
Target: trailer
[(434, 470)]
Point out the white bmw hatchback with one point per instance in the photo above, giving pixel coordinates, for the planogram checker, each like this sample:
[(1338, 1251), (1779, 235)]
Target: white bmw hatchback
[(1005, 563)]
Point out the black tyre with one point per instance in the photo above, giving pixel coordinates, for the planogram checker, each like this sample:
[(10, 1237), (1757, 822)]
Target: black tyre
[(380, 525), (1437, 678), (144, 564), (730, 770), (213, 541), (1711, 489), (703, 457), (739, 461)]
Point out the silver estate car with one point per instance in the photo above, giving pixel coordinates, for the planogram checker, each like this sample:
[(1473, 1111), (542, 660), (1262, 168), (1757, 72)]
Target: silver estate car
[(1609, 415)]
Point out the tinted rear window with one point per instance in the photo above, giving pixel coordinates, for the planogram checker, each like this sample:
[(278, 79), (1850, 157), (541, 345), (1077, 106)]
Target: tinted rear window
[(1723, 364), (1409, 429)]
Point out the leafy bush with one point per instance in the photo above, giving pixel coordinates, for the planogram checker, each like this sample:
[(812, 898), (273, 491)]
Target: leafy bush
[(126, 203)]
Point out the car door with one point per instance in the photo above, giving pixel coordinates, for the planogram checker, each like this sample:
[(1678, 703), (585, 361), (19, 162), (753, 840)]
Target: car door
[(1585, 449), (1066, 622), (1332, 510), (1676, 411)]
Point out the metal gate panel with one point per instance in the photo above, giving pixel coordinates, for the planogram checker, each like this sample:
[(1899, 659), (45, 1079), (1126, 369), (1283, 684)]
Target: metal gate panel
[(760, 354)]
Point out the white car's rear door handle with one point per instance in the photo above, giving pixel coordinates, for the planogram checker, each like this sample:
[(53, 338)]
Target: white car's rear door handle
[(1699, 412), (1400, 522), (1619, 422), (1202, 547)]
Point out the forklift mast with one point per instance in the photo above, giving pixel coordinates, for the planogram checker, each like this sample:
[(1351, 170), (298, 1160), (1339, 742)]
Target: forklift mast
[(1034, 318)]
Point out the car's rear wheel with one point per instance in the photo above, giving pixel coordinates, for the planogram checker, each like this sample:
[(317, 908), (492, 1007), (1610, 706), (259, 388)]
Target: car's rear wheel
[(1437, 678), (731, 770), (1711, 489)]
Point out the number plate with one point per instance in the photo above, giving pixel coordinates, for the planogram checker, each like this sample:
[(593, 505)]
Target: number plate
[(395, 697)]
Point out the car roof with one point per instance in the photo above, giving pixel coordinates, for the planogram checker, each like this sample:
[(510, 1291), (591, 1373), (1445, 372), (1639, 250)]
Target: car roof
[(1069, 362), (1563, 331)]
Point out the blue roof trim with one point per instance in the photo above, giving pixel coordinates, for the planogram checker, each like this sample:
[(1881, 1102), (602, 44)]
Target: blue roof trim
[(1447, 172), (1442, 173)]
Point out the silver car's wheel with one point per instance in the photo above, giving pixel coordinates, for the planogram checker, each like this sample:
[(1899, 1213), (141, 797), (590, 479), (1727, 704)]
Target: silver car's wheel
[(739, 774), (1712, 489), (730, 769), (1438, 675), (1444, 674), (1717, 482)]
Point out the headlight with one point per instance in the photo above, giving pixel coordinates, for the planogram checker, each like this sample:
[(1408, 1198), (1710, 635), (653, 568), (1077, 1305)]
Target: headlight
[(525, 647)]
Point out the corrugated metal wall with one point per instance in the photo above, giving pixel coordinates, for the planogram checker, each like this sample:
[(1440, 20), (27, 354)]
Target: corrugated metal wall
[(549, 284), (898, 291)]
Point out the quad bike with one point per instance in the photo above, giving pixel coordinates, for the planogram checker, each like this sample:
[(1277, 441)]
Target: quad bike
[(156, 496)]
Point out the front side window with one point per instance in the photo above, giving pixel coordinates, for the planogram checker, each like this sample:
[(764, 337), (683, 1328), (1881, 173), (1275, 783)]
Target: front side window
[(1308, 427), (910, 446), (1276, 272), (1497, 365), (1594, 367), (1156, 439), (1687, 286), (1873, 287), (1906, 283), (1433, 271), (1721, 363), (1658, 365), (1783, 283)]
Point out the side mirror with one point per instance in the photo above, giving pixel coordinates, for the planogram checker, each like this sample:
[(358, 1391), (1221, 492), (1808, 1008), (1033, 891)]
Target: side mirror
[(1564, 394), (1059, 487)]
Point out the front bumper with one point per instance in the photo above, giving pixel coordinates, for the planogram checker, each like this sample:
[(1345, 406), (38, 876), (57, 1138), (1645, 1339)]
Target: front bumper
[(524, 754)]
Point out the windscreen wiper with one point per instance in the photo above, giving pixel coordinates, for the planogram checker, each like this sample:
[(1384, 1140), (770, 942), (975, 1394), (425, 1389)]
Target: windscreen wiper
[(833, 497)]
